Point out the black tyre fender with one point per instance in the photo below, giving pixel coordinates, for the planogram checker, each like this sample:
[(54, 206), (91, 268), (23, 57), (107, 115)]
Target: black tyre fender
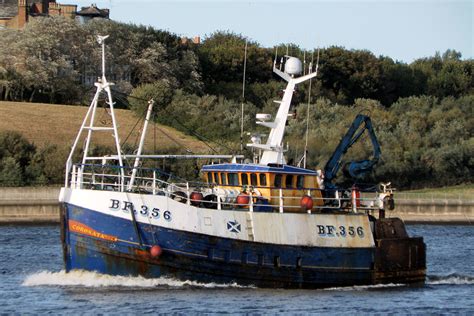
[(179, 196), (210, 201)]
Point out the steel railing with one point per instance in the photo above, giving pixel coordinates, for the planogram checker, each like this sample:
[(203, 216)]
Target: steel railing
[(109, 178)]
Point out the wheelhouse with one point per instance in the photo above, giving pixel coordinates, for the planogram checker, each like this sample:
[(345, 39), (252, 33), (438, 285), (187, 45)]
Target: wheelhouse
[(268, 182)]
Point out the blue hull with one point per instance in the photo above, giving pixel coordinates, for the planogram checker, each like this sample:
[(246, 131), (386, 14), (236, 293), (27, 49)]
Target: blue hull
[(203, 258)]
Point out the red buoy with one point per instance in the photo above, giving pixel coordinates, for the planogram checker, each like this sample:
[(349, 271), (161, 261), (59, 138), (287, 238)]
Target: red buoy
[(196, 198), (356, 195), (155, 251), (306, 202), (243, 199)]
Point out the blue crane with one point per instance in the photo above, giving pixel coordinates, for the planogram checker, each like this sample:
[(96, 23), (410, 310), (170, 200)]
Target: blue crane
[(355, 169)]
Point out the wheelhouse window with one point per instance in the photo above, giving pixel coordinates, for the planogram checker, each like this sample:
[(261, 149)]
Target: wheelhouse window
[(289, 181), (209, 177), (300, 182), (244, 179), (233, 179), (277, 182), (253, 179), (223, 178), (263, 179), (216, 177)]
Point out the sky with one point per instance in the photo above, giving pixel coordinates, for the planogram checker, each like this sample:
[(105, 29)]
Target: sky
[(403, 30)]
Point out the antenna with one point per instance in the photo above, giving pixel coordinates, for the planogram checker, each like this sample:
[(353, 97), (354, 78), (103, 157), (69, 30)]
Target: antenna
[(317, 61), (304, 63), (307, 110), (276, 57), (273, 149), (243, 100), (101, 41)]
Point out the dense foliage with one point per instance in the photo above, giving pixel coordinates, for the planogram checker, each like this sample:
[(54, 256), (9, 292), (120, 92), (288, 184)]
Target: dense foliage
[(422, 111), (52, 59), (22, 163), (425, 141)]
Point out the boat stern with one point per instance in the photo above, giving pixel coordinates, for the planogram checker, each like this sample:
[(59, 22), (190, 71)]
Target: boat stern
[(398, 257)]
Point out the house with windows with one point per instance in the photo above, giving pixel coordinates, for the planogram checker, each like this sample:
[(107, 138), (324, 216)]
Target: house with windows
[(15, 14)]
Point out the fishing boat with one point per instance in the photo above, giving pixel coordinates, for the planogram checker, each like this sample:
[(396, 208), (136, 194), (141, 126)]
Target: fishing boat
[(259, 222)]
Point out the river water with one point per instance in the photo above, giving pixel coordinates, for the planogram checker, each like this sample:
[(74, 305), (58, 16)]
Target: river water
[(33, 281)]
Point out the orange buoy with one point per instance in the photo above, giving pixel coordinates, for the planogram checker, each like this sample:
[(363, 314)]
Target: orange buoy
[(196, 198), (155, 251), (243, 199), (306, 202)]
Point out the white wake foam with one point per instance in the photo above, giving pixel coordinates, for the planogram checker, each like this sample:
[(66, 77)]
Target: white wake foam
[(364, 287), (94, 279), (97, 280), (451, 279)]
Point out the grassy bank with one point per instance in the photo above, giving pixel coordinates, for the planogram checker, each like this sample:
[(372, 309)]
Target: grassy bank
[(58, 124), (463, 192)]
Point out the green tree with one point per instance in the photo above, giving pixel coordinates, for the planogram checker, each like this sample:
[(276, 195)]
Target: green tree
[(47, 166), (44, 54), (222, 56), (348, 75), (13, 144), (215, 118), (15, 155), (445, 75), (10, 173), (160, 91)]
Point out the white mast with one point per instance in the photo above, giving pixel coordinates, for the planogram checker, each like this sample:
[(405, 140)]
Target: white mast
[(273, 149), (140, 146), (102, 85)]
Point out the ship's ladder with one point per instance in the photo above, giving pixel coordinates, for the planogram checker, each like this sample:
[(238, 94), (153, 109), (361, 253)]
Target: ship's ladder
[(249, 226)]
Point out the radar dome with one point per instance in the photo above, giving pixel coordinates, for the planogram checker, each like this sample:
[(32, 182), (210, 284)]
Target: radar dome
[(293, 66)]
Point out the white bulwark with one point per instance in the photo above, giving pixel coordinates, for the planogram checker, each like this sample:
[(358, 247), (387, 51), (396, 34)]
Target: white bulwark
[(299, 229)]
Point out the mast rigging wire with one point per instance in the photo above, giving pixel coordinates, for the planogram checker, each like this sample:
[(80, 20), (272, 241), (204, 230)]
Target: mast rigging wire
[(305, 154), (201, 138), (243, 100)]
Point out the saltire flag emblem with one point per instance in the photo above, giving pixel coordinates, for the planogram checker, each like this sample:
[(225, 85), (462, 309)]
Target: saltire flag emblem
[(233, 226)]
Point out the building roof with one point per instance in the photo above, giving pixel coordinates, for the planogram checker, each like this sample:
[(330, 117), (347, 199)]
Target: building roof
[(93, 11), (9, 8), (236, 167)]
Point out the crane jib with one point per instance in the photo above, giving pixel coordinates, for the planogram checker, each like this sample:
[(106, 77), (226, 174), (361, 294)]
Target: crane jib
[(354, 169)]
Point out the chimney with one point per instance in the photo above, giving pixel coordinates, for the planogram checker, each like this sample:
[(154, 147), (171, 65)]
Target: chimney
[(54, 8), (22, 13)]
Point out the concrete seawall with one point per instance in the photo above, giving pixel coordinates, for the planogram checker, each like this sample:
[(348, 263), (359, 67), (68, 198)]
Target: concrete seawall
[(40, 205), (434, 210), (29, 205)]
